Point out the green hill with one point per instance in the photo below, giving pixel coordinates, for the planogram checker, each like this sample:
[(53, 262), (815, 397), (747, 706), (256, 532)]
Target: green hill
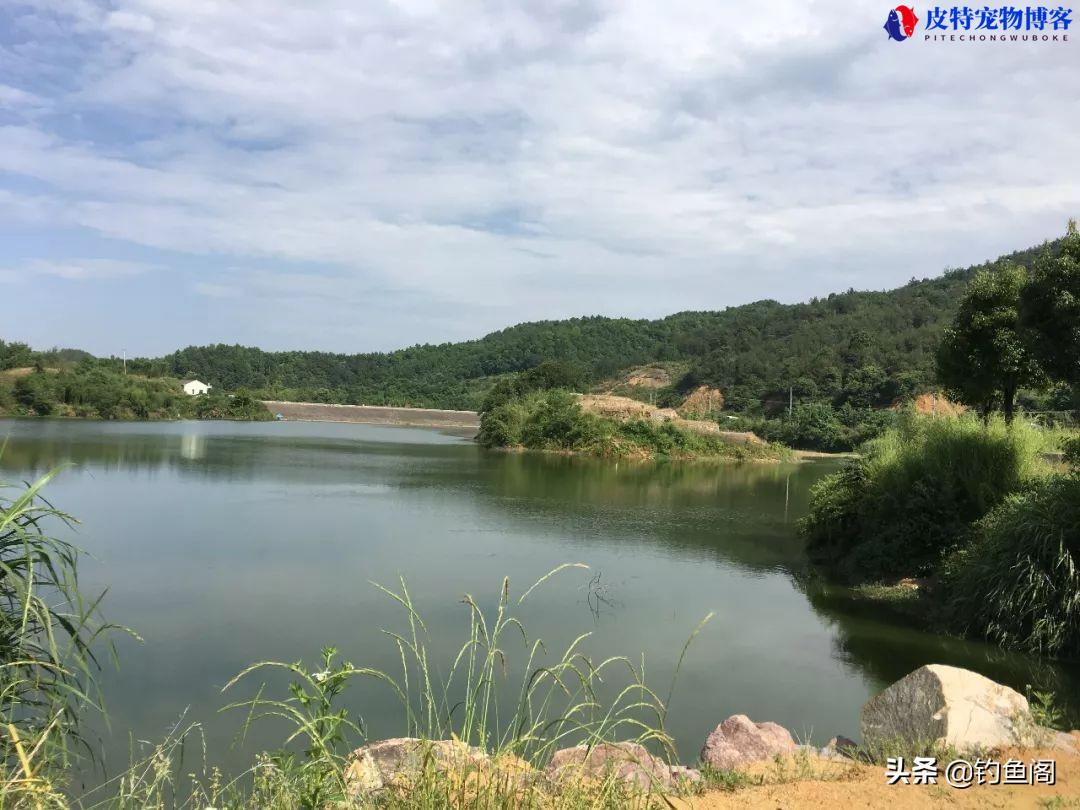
[(866, 348)]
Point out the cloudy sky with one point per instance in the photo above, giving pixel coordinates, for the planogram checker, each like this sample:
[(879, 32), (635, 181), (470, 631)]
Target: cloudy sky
[(363, 175)]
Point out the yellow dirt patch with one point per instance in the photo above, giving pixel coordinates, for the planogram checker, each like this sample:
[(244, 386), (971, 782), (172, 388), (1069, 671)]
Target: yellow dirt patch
[(835, 785), (649, 377), (15, 373), (702, 402), (625, 409), (938, 404)]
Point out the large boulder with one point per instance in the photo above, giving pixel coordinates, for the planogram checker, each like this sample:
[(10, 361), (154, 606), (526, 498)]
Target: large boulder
[(625, 761), (398, 762), (938, 704), (739, 741)]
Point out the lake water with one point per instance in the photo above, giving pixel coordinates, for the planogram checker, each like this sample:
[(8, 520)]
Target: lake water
[(223, 544)]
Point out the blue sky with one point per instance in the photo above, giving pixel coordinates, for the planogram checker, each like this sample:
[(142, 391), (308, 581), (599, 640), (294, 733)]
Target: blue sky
[(367, 175)]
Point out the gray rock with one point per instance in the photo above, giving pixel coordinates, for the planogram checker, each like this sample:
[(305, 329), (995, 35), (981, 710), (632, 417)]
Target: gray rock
[(739, 741), (944, 705), (628, 762), (840, 747), (682, 774), (396, 762)]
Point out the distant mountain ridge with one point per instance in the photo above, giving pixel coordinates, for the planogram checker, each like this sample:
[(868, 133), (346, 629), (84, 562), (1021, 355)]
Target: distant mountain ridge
[(862, 347)]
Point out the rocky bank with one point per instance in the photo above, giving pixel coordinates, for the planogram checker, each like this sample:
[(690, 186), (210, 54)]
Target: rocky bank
[(935, 706)]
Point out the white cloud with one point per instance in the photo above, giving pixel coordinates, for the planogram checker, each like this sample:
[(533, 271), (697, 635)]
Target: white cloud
[(82, 269), (14, 97), (539, 160)]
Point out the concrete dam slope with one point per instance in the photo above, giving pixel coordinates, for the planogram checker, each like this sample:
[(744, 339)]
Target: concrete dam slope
[(373, 414)]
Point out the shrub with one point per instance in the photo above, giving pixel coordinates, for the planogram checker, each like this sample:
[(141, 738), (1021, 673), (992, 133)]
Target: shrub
[(34, 393), (502, 426), (819, 426), (556, 422), (814, 426), (547, 376), (1072, 453), (1018, 582), (914, 494)]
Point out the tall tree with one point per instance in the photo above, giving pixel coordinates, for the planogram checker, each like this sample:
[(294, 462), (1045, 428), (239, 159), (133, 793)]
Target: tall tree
[(984, 358), (1050, 309)]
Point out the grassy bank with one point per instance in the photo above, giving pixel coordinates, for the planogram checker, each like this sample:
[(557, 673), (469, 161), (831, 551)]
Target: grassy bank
[(99, 393), (962, 524), (553, 420)]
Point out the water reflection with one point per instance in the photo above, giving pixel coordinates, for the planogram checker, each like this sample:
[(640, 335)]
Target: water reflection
[(193, 447), (885, 646)]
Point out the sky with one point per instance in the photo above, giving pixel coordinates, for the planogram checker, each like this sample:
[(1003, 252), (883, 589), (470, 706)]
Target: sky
[(366, 175)]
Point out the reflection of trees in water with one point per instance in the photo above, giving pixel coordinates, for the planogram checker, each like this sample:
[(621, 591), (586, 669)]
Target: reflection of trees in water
[(41, 453), (633, 482), (203, 454), (735, 514), (886, 647)]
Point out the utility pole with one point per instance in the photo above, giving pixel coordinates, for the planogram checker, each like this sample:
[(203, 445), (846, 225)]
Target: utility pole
[(124, 352), (790, 400)]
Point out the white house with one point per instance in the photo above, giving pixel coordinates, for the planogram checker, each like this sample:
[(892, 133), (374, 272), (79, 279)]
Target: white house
[(194, 387)]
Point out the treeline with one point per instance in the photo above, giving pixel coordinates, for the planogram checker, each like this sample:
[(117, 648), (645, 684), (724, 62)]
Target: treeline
[(865, 349), (92, 392)]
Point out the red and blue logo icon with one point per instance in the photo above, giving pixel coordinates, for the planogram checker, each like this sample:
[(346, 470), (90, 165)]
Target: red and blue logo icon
[(901, 23)]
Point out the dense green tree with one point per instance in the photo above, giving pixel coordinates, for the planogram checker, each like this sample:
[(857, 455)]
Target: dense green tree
[(15, 355), (34, 393), (1050, 309), (984, 359)]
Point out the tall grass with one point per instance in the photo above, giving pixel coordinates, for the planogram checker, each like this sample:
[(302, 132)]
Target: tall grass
[(552, 705), (47, 640), (1018, 582), (914, 493)]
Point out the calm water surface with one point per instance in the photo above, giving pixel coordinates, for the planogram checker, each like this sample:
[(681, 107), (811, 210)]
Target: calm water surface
[(222, 544)]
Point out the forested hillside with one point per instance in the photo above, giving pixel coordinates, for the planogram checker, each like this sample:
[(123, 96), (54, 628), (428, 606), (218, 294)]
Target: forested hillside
[(866, 348)]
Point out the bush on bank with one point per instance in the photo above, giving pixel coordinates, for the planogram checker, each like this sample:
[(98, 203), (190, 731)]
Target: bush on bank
[(914, 494), (553, 420), (820, 426), (1017, 582), (972, 506)]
